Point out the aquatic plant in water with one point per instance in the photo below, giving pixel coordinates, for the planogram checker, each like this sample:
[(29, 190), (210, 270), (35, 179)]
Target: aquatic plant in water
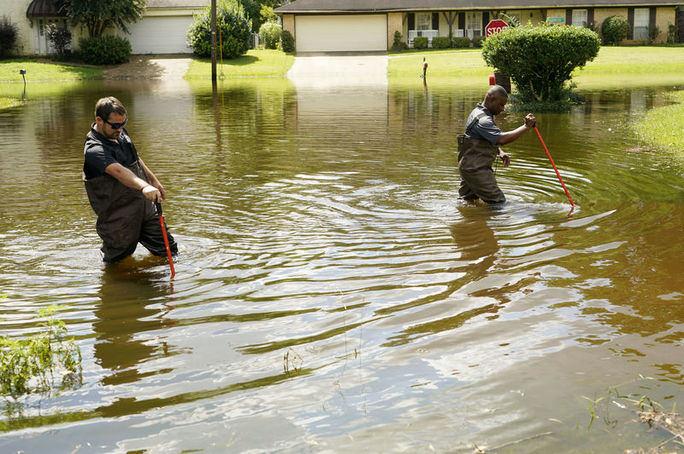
[(30, 365)]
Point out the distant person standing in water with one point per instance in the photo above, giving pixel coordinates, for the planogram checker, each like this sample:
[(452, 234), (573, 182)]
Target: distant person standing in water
[(478, 147), (121, 189)]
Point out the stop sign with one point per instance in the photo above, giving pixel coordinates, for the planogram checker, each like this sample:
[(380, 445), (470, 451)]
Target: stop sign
[(495, 26)]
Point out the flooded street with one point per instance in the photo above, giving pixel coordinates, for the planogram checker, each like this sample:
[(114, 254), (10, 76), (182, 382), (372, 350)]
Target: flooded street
[(331, 293)]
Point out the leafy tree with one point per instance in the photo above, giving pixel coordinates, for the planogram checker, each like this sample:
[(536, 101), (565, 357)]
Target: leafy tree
[(270, 34), (267, 14), (541, 59), (233, 24), (98, 16), (254, 10)]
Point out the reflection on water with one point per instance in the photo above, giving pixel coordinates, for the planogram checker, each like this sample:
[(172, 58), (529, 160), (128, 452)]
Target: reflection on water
[(331, 291)]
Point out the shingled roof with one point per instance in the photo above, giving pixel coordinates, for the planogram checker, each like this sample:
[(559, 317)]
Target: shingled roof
[(381, 6)]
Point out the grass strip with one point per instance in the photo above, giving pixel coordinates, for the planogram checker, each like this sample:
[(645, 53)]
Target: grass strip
[(43, 71), (663, 127), (256, 63)]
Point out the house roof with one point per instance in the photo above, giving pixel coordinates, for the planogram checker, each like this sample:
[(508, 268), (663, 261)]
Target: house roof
[(43, 8), (365, 6), (190, 4)]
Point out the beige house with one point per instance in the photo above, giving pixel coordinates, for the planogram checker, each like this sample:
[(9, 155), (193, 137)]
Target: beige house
[(162, 29), (370, 25)]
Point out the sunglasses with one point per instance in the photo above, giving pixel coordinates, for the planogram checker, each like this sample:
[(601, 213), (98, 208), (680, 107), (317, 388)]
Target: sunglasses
[(117, 125)]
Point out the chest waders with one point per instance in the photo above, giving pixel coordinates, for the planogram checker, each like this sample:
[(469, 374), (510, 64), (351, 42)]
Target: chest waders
[(475, 159), (121, 213)]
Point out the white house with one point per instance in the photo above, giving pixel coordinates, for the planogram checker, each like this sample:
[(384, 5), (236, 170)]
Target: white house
[(162, 30), (370, 25)]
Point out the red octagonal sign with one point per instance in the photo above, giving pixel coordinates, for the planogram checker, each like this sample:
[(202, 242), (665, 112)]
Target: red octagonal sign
[(495, 26)]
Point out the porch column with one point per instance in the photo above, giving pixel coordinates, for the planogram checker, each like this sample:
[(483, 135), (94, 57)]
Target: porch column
[(289, 23), (395, 23)]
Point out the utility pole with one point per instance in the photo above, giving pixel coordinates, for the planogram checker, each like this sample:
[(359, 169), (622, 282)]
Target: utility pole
[(213, 43)]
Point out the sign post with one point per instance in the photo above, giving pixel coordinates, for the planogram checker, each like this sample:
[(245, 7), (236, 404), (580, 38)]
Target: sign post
[(495, 26)]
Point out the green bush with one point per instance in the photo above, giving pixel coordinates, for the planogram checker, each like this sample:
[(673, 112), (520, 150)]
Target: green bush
[(672, 34), (477, 42), (398, 43), (269, 35), (105, 50), (460, 43), (614, 29), (8, 37), (541, 59), (441, 42), (287, 42), (420, 42), (234, 27)]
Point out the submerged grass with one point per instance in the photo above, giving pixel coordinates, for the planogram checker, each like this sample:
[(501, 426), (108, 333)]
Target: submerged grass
[(663, 127), (8, 103), (256, 63), (29, 365)]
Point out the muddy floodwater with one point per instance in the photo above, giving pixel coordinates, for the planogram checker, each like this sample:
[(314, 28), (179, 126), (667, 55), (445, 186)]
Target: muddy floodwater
[(331, 292)]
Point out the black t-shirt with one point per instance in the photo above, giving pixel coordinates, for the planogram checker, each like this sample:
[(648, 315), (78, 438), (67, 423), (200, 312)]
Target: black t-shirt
[(99, 152)]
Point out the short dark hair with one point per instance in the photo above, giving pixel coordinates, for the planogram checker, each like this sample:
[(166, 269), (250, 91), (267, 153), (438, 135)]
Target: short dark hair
[(105, 106), (497, 90)]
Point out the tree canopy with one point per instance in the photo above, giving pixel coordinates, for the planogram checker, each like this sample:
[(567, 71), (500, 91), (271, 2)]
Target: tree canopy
[(98, 16)]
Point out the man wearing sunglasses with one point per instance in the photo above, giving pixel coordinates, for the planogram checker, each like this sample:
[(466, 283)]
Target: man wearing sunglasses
[(121, 189)]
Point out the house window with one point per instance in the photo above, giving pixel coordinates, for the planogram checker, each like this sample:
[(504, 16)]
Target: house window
[(423, 21), (473, 24), (641, 17), (579, 17)]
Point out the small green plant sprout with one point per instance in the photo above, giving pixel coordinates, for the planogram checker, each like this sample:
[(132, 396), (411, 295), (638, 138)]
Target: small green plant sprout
[(292, 362), (29, 365)]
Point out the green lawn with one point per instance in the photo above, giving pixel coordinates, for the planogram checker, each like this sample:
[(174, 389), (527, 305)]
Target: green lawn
[(45, 72), (614, 67), (256, 63), (664, 126)]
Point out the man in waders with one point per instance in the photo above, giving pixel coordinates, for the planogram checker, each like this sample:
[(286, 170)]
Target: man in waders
[(478, 147), (121, 189)]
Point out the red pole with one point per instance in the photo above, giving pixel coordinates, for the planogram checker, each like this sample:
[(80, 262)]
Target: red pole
[(554, 166), (162, 225)]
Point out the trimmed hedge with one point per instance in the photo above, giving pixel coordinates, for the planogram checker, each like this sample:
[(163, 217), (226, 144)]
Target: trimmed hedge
[(541, 59), (105, 50), (287, 42), (441, 42), (460, 43), (614, 29), (420, 42)]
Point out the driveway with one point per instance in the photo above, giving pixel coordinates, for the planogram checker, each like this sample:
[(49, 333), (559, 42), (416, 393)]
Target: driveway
[(144, 67), (321, 70)]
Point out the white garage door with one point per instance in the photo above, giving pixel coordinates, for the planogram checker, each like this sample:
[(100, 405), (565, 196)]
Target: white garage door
[(160, 35), (363, 32)]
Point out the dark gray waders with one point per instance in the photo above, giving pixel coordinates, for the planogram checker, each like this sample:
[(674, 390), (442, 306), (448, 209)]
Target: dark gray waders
[(475, 159), (125, 217)]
